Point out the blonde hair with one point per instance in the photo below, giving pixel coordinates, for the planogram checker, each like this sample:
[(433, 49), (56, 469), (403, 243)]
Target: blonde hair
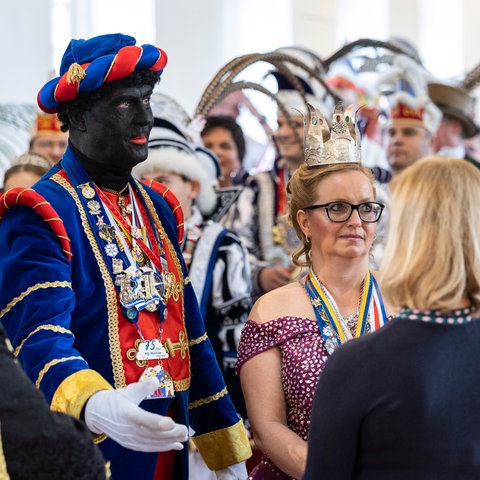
[(432, 256), (302, 192)]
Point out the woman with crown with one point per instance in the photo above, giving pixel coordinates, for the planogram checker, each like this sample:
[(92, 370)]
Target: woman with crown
[(292, 331)]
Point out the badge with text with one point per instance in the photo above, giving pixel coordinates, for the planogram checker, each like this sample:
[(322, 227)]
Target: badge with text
[(151, 350)]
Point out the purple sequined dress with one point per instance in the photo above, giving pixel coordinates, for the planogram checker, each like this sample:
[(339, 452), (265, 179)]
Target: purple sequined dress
[(303, 359)]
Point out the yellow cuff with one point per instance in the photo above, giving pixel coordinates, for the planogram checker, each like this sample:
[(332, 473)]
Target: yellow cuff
[(72, 394), (225, 447)]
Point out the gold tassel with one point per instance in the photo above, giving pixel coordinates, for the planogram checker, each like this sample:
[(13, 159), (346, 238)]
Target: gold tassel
[(75, 73)]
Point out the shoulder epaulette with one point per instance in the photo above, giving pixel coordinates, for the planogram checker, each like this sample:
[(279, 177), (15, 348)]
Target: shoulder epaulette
[(30, 198), (172, 202)]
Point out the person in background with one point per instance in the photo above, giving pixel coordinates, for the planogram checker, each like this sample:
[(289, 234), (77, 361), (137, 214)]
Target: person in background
[(25, 171), (259, 214), (457, 125), (412, 122), (36, 442), (293, 330), (224, 137), (403, 402), (472, 147), (94, 293), (412, 118), (258, 155), (47, 137)]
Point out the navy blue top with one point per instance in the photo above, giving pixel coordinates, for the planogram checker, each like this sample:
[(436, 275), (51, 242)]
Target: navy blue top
[(402, 403)]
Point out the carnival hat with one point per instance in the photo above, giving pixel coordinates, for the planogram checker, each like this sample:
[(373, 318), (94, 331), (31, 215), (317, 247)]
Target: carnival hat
[(405, 87), (46, 124), (87, 64), (172, 149), (456, 102)]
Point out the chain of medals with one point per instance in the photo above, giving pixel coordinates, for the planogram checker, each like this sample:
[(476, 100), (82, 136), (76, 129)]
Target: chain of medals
[(334, 328), (144, 283)]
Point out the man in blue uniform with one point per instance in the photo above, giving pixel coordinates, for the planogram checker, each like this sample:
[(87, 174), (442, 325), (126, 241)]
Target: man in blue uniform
[(94, 291)]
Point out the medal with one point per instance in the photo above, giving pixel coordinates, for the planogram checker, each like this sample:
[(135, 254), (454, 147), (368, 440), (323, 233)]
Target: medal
[(151, 350), (166, 388), (117, 265), (94, 207), (111, 249), (106, 232), (87, 191), (137, 254), (136, 232)]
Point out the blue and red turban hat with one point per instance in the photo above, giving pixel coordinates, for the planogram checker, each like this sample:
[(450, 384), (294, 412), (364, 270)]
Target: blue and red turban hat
[(87, 64)]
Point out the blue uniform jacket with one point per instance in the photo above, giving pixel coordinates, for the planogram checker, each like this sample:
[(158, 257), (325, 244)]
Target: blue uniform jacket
[(62, 317)]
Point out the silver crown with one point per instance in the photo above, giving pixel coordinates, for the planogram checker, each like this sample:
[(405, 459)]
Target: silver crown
[(325, 146)]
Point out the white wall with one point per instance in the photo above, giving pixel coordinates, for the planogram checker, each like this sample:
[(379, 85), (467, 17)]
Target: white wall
[(200, 36)]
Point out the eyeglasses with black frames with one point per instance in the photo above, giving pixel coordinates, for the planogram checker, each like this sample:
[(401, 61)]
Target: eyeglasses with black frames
[(338, 212)]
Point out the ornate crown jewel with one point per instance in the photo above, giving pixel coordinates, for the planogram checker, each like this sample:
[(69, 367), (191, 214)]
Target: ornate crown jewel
[(325, 146)]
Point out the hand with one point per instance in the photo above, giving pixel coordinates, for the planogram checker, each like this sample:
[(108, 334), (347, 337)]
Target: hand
[(270, 278), (117, 414), (238, 471)]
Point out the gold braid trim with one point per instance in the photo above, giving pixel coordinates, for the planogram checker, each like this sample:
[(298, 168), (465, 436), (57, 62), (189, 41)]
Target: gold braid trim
[(29, 290), (182, 385), (51, 364), (52, 328), (224, 447), (204, 401), (110, 291), (198, 340)]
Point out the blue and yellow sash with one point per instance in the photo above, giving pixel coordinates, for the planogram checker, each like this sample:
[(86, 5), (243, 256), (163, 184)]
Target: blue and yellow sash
[(371, 310)]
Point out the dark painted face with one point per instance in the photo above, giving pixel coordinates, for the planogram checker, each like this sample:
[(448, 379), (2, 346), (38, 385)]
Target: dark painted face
[(117, 128)]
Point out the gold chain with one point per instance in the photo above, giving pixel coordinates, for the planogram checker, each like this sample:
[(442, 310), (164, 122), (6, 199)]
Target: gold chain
[(115, 192)]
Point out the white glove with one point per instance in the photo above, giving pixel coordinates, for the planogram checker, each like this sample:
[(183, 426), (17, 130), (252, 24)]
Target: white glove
[(117, 414), (238, 471)]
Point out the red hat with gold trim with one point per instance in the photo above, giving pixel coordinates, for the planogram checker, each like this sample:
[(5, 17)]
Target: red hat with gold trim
[(46, 124)]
